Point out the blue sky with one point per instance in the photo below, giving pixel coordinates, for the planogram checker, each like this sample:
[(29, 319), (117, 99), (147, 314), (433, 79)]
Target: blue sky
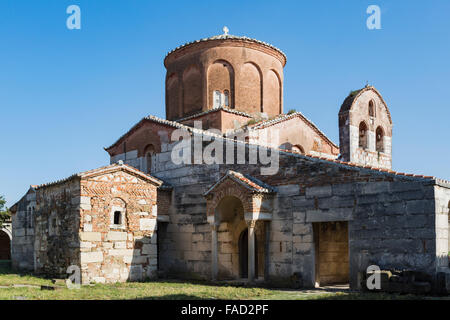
[(66, 94)]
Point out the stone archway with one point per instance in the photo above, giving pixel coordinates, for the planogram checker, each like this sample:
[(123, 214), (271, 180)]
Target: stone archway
[(236, 203), (229, 216), (5, 245)]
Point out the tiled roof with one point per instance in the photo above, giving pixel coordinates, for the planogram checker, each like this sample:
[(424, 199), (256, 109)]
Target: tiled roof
[(103, 170), (228, 37), (284, 117), (343, 163), (245, 180), (233, 111), (371, 168), (173, 124)]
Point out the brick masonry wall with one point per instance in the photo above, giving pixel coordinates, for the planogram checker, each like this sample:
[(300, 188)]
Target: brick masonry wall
[(251, 72), (117, 252)]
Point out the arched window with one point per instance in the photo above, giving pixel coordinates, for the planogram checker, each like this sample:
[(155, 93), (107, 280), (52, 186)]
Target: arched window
[(217, 99), (379, 134), (363, 135), (149, 152), (371, 109)]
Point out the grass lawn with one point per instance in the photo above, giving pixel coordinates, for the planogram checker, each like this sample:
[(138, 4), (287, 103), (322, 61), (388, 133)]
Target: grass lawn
[(10, 288)]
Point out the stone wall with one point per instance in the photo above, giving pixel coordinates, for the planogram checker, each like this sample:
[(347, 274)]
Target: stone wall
[(111, 251), (354, 112), (22, 244), (332, 252), (56, 243), (442, 196), (391, 217), (103, 221)]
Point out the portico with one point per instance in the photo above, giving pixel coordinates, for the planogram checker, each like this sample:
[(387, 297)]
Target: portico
[(239, 211)]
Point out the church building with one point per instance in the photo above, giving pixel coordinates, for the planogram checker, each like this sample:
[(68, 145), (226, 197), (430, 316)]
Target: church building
[(280, 203)]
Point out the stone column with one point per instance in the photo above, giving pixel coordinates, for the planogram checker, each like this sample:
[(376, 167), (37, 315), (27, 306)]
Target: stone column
[(214, 255), (251, 250), (266, 250)]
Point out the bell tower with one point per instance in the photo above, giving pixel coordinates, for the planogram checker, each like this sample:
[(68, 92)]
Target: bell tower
[(365, 129)]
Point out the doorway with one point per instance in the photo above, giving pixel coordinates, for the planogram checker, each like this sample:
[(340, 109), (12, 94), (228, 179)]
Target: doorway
[(243, 255), (5, 246), (332, 253)]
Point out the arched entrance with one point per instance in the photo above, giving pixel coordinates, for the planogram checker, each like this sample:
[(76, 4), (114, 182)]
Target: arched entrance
[(239, 207), (243, 255), (5, 246)]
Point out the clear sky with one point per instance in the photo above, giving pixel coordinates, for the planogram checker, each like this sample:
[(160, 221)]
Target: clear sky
[(66, 94)]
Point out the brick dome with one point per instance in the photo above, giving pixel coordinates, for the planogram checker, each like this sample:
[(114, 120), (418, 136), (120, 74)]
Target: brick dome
[(224, 71)]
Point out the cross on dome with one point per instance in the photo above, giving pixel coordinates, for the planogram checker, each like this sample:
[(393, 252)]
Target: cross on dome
[(225, 30)]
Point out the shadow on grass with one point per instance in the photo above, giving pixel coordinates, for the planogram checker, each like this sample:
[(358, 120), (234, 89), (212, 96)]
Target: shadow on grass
[(20, 277)]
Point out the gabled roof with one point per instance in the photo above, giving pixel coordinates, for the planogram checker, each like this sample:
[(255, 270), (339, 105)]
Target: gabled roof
[(168, 123), (285, 117), (120, 166), (357, 166), (199, 114), (13, 208), (354, 95), (247, 181)]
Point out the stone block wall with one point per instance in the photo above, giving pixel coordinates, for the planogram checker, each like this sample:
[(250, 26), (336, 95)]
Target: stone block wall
[(56, 243), (442, 196), (391, 218), (22, 244), (185, 240)]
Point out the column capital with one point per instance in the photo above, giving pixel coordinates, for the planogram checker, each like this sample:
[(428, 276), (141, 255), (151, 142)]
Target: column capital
[(251, 223)]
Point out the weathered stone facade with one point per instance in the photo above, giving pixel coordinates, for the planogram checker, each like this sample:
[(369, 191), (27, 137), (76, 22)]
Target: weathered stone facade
[(323, 215), (103, 221), (365, 129)]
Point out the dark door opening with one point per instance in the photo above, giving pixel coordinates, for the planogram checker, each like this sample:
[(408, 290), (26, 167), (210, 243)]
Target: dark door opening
[(5, 246), (243, 255)]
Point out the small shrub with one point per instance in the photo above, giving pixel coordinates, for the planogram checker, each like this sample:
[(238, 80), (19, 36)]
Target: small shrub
[(291, 111)]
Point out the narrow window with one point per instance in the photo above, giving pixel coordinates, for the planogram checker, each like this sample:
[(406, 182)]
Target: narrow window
[(379, 139), (53, 225), (27, 217), (149, 151), (226, 99), (149, 162), (31, 222), (217, 99), (371, 109), (363, 135), (117, 217)]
